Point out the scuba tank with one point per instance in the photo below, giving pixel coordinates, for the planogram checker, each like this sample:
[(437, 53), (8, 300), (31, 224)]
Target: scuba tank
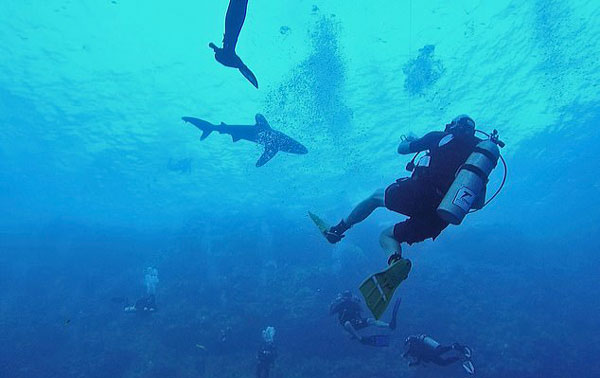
[(470, 180), (429, 342)]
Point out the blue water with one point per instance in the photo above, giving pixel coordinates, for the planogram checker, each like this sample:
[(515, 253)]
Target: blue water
[(100, 179)]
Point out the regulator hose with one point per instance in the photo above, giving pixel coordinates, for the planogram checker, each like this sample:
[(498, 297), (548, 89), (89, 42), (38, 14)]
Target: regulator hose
[(494, 138)]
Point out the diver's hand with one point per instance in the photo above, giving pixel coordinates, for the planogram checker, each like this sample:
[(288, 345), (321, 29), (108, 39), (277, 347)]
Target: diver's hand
[(405, 140), (408, 137)]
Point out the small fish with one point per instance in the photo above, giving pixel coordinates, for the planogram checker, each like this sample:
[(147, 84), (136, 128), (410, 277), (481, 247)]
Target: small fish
[(200, 347), (68, 321)]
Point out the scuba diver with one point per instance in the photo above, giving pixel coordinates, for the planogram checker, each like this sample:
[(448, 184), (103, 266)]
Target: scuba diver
[(441, 190), (147, 303), (267, 353), (234, 20), (422, 349), (419, 196), (349, 312)]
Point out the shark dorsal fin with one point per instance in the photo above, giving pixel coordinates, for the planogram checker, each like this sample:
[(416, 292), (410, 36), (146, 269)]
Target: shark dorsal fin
[(261, 121)]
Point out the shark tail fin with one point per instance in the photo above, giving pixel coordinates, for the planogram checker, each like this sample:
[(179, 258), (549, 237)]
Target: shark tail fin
[(205, 134)]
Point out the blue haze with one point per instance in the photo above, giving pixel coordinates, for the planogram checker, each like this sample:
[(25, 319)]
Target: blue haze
[(99, 179)]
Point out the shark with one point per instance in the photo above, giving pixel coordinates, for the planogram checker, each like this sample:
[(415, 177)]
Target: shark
[(260, 133)]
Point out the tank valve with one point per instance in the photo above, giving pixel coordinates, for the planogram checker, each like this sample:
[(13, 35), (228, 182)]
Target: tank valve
[(495, 137)]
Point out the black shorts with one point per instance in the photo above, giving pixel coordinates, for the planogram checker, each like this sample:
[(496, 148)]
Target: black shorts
[(418, 199)]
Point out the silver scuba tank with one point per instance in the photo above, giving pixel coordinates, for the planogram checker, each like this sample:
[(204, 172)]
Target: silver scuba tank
[(430, 342), (469, 182)]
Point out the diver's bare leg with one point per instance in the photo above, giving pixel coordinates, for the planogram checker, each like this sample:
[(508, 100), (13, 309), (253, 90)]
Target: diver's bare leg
[(377, 323), (365, 208), (348, 327), (358, 214), (388, 242)]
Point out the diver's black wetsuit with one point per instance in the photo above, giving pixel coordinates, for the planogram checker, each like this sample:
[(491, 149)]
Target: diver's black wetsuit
[(419, 196), (349, 310), (267, 353), (424, 349), (234, 20)]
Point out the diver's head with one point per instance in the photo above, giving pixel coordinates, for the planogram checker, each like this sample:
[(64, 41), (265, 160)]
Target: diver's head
[(427, 49), (462, 125)]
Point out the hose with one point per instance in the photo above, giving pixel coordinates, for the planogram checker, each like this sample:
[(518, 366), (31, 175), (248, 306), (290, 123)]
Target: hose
[(503, 178), (499, 188)]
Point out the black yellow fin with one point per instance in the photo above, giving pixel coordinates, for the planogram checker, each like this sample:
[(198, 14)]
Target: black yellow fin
[(378, 289), (320, 223)]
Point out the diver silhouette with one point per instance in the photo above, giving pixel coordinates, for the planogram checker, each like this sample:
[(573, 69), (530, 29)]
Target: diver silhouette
[(234, 20)]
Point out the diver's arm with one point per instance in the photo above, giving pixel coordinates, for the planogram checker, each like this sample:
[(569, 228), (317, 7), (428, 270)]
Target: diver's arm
[(334, 307), (411, 145), (404, 146)]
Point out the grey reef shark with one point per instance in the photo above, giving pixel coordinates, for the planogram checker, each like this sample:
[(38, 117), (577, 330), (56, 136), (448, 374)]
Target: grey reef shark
[(260, 133)]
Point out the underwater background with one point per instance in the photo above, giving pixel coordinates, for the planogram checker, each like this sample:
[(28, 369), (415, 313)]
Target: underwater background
[(100, 179)]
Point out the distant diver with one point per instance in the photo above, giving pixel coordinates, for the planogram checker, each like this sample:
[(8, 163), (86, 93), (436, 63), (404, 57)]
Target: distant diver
[(147, 303), (446, 183), (267, 353), (234, 20), (183, 166), (349, 312), (422, 349), (261, 133), (143, 305), (423, 71)]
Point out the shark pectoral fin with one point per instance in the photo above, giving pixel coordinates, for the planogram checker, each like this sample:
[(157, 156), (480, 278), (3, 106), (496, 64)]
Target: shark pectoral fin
[(205, 134), (266, 156), (248, 75)]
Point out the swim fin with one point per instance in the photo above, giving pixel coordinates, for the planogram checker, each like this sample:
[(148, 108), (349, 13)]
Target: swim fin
[(468, 352), (376, 340), (469, 368), (395, 314), (379, 288), (320, 223), (324, 228)]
